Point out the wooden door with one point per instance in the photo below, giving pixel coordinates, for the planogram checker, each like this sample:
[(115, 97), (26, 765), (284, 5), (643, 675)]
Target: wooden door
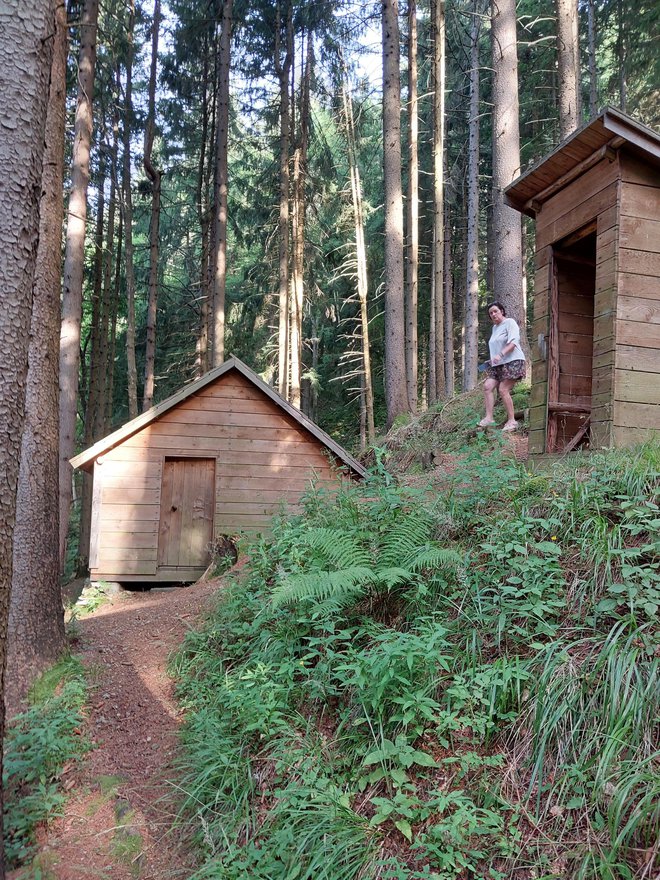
[(187, 503)]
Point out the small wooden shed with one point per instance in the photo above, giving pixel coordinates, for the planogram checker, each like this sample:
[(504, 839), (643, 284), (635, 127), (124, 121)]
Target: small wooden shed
[(219, 457), (596, 331)]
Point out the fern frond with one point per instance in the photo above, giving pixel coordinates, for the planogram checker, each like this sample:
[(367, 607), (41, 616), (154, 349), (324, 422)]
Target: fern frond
[(340, 549), (322, 585), (432, 557), (402, 541), (393, 576)]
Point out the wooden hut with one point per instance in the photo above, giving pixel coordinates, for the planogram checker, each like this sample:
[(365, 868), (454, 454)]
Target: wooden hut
[(219, 457), (596, 331)]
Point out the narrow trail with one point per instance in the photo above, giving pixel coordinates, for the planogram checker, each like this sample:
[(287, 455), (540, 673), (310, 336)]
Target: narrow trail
[(118, 817)]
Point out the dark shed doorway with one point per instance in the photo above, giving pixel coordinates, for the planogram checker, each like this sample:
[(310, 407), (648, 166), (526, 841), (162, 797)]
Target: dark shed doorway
[(571, 342)]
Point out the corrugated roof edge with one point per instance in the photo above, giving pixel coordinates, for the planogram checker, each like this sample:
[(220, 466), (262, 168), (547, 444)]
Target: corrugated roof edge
[(233, 363)]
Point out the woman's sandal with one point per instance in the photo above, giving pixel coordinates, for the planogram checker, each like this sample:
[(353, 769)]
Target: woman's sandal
[(485, 423), (510, 426)]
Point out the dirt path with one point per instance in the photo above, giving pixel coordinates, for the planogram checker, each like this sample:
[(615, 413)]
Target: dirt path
[(118, 818)]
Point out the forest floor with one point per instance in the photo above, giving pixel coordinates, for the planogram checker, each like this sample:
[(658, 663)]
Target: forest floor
[(117, 821)]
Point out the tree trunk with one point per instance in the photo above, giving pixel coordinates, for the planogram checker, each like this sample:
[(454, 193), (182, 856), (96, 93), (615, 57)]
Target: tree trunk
[(471, 328), (36, 620), (283, 71), (74, 262), (366, 384), (203, 218), (154, 174), (221, 188), (621, 56), (438, 7), (412, 205), (298, 220), (396, 393), (568, 63), (507, 243), (127, 213), (26, 42), (112, 344), (593, 75), (108, 308), (448, 288)]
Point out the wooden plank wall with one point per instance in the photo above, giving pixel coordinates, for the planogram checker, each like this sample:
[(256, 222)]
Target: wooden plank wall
[(637, 373), (264, 459), (593, 195)]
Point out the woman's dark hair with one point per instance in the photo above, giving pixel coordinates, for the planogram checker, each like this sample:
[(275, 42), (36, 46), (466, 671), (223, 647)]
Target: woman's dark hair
[(499, 305)]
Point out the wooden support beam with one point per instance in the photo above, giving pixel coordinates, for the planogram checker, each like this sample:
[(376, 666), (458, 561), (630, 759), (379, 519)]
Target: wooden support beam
[(605, 152), (580, 434), (554, 406)]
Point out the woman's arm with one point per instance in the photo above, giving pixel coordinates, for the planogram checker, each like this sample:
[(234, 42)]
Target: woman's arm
[(508, 348)]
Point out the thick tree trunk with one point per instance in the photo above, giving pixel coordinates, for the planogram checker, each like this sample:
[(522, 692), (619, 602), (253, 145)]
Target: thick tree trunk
[(26, 42), (448, 306), (283, 71), (507, 242), (221, 188), (412, 205), (36, 620), (74, 262), (438, 7), (154, 174), (203, 217), (127, 214), (568, 63), (108, 308), (471, 326), (396, 392)]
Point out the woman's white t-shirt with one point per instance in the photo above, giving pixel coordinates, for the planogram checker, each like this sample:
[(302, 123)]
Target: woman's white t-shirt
[(504, 333)]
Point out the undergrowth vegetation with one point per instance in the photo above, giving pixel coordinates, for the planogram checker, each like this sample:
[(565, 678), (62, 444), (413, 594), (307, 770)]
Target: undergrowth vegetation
[(40, 744), (458, 683)]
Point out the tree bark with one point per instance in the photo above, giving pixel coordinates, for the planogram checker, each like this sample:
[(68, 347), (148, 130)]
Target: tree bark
[(448, 289), (298, 228), (593, 75), (283, 71), (471, 329), (438, 7), (221, 188), (127, 214), (412, 204), (74, 262), (203, 217), (26, 45), (154, 174), (507, 240), (568, 63), (366, 384), (396, 392)]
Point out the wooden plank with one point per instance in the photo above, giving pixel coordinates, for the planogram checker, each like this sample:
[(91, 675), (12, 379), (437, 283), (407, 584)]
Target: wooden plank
[(542, 258), (588, 186), (579, 435), (537, 394), (576, 304), (577, 216), (600, 434), (257, 481), (251, 496), (133, 540), (638, 262), (96, 516), (126, 554), (233, 522), (605, 302), (130, 524), (570, 324), (634, 357), (627, 436), (640, 234), (637, 333), (637, 415), (639, 171), (135, 470), (114, 481), (536, 442), (606, 243), (574, 344), (212, 409), (603, 360), (604, 345), (130, 495), (603, 326), (607, 219), (571, 386), (561, 406), (640, 201), (189, 442), (602, 381), (120, 570), (636, 308), (639, 285), (637, 387), (576, 365)]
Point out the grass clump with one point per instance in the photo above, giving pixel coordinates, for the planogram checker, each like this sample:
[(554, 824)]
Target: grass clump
[(405, 684), (39, 743)]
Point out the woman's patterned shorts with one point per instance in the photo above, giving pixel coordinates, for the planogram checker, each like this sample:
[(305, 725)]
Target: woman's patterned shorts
[(513, 370)]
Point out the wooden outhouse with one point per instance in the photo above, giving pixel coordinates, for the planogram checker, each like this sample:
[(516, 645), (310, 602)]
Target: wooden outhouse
[(596, 331), (219, 457)]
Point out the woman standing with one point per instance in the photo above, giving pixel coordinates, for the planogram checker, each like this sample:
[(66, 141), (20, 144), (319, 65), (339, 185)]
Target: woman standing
[(507, 365)]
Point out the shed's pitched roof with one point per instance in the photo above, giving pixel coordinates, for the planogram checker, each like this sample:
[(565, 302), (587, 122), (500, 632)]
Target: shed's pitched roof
[(102, 446), (580, 151)]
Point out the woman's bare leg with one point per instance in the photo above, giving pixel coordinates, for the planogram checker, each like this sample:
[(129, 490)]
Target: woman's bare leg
[(490, 393), (505, 393)]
